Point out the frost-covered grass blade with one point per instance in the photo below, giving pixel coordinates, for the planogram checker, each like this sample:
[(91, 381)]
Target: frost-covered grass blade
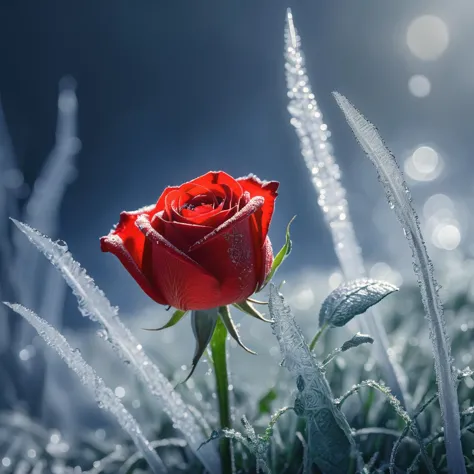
[(94, 304), (316, 149), (106, 399), (330, 441), (400, 201)]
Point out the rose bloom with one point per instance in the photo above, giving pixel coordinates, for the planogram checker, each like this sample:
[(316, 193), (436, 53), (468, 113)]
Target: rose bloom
[(204, 244)]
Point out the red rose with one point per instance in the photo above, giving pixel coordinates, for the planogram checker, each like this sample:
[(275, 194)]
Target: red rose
[(203, 245)]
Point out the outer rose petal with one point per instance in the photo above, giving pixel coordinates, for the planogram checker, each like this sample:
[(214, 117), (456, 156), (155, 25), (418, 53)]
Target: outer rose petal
[(229, 253), (184, 284), (132, 239), (114, 244), (266, 189)]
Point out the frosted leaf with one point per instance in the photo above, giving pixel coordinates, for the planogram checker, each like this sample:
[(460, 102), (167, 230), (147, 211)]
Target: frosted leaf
[(399, 198), (356, 341), (104, 396), (94, 304), (325, 175), (330, 442), (352, 298)]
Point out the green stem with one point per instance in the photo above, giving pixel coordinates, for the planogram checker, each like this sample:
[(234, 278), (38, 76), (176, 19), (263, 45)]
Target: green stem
[(219, 359), (317, 336)]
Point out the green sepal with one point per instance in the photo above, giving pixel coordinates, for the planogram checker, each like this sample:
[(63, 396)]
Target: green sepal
[(203, 323), (175, 318), (281, 255), (246, 307), (226, 318)]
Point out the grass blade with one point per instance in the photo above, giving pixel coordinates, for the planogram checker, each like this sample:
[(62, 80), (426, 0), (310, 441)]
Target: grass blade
[(400, 201), (105, 397)]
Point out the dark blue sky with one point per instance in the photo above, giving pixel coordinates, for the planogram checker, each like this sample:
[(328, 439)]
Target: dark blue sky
[(170, 90)]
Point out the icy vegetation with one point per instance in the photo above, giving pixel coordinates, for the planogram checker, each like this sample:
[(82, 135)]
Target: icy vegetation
[(103, 394), (343, 401), (399, 200), (307, 119)]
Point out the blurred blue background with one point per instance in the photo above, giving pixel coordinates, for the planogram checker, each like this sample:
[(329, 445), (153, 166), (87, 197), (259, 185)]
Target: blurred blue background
[(169, 90)]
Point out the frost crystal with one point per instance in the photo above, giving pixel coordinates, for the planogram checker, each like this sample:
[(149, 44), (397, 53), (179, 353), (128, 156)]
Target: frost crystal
[(325, 175), (103, 394), (330, 442), (94, 304), (400, 201)]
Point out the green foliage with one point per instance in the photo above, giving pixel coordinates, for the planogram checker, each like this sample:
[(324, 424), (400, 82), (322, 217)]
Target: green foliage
[(281, 255)]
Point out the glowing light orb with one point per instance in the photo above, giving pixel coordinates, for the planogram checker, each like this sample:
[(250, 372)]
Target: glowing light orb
[(427, 37), (446, 236), (424, 165), (419, 85)]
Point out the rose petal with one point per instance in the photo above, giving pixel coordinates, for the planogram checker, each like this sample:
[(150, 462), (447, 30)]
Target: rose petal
[(180, 234), (185, 283), (132, 238), (229, 253), (268, 190), (114, 244), (213, 178), (160, 204)]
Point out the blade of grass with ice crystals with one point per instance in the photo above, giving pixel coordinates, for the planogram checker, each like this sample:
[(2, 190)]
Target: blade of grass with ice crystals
[(106, 399), (330, 442), (94, 304), (400, 201), (325, 176)]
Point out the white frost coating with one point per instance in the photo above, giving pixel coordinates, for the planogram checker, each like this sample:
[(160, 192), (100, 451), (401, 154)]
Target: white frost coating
[(400, 201), (105, 397), (330, 441), (325, 176), (94, 304)]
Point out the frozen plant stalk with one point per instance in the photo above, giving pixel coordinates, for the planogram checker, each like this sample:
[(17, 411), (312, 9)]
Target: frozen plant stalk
[(95, 305), (400, 201), (103, 394), (330, 441), (325, 176)]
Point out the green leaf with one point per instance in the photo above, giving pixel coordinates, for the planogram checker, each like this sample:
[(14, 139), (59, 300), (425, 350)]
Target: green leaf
[(352, 298), (175, 318), (203, 323), (249, 309), (265, 403), (281, 255), (226, 318)]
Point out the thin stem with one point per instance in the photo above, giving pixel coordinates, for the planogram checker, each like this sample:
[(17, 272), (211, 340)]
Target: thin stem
[(317, 336), (219, 360)]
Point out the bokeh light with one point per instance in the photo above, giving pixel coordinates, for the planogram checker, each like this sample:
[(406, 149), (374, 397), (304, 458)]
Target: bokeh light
[(427, 37), (419, 85), (424, 164)]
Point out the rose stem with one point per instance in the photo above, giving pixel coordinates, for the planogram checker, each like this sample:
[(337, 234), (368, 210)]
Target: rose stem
[(219, 360)]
